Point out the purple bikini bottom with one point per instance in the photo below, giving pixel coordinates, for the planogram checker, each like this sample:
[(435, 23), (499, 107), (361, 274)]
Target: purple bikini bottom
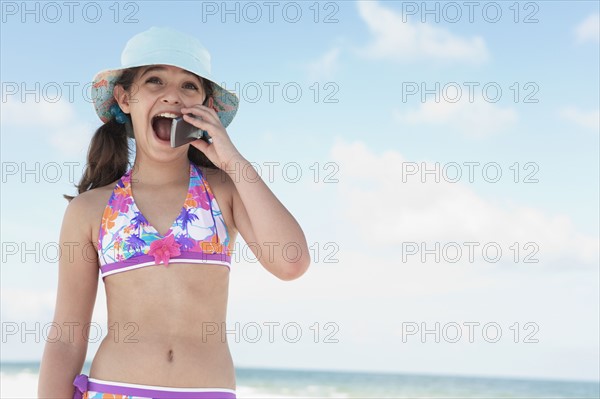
[(92, 388)]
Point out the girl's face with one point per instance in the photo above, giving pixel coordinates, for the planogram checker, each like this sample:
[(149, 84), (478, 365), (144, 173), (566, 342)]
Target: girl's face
[(156, 97)]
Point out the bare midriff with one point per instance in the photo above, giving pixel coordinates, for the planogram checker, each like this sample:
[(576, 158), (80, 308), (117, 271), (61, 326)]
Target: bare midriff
[(166, 327)]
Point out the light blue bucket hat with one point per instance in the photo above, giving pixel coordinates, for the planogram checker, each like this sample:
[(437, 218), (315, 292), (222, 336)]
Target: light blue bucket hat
[(168, 47)]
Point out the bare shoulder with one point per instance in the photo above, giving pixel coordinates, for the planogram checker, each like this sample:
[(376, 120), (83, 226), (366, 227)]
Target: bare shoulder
[(223, 189), (78, 269), (88, 207)]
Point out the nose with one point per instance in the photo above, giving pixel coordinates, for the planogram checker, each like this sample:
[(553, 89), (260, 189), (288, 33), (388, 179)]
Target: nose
[(171, 96), (170, 100)]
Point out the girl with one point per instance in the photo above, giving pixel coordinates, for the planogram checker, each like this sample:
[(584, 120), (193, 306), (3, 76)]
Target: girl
[(162, 231)]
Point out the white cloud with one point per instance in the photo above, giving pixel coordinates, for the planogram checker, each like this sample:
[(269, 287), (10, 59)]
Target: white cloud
[(370, 291), (399, 41), (478, 118), (588, 120), (588, 29), (387, 212), (325, 66), (56, 123)]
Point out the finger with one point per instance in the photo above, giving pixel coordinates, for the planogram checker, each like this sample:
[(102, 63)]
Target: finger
[(199, 123), (195, 110), (200, 109), (199, 114), (201, 145), (204, 111)]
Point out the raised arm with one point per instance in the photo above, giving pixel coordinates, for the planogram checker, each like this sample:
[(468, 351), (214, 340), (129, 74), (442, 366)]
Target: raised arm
[(66, 346), (274, 236), (270, 230)]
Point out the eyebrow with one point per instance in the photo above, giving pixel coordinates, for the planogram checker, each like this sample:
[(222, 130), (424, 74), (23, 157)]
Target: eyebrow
[(161, 68)]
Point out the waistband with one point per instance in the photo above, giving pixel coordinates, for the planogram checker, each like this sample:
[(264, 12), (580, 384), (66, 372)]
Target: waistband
[(84, 383)]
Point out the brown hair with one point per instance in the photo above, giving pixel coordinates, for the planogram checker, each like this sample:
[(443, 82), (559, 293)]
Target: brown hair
[(108, 154)]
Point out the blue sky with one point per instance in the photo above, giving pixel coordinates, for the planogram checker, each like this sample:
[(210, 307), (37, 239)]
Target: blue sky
[(362, 136)]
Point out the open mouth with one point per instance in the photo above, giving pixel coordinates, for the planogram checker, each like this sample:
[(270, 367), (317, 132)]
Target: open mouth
[(161, 124)]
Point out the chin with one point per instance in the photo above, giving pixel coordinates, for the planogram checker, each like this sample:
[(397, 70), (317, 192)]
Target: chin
[(160, 150)]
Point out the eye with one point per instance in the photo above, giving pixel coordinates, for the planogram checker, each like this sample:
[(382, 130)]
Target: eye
[(153, 79), (191, 86)]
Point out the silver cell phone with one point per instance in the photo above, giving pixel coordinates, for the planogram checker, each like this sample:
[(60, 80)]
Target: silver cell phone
[(184, 133)]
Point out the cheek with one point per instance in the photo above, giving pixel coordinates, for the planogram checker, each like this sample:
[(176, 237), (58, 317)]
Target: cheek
[(139, 97), (139, 107), (139, 120)]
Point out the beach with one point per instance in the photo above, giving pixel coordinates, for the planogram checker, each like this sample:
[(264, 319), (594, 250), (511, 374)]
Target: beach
[(19, 380)]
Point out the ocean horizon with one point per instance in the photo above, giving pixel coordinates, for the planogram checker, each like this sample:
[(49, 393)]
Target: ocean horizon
[(19, 380)]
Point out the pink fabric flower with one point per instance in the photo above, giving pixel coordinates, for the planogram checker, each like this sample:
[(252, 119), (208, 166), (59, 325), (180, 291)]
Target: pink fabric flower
[(163, 249)]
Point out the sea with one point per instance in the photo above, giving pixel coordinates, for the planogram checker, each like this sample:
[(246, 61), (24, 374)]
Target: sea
[(19, 380)]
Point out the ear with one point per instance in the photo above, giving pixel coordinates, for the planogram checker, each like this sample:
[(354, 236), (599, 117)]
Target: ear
[(211, 103), (122, 98)]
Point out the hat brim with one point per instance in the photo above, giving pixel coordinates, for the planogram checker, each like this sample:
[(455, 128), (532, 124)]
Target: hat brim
[(226, 103)]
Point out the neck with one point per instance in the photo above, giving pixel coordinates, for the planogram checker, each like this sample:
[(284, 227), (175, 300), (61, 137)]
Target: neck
[(151, 173)]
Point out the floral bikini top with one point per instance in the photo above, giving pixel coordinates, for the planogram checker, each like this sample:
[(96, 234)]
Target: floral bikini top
[(127, 241)]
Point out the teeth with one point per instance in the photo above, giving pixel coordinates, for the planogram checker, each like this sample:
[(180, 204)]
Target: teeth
[(167, 115)]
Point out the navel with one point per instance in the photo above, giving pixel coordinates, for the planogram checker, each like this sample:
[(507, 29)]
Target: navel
[(170, 356)]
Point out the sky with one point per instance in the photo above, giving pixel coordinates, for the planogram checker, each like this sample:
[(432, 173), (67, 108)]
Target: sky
[(442, 161)]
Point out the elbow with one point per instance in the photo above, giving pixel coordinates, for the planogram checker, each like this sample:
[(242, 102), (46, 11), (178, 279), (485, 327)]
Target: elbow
[(293, 270)]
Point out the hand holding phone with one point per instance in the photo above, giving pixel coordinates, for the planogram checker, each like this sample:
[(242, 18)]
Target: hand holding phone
[(184, 133)]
